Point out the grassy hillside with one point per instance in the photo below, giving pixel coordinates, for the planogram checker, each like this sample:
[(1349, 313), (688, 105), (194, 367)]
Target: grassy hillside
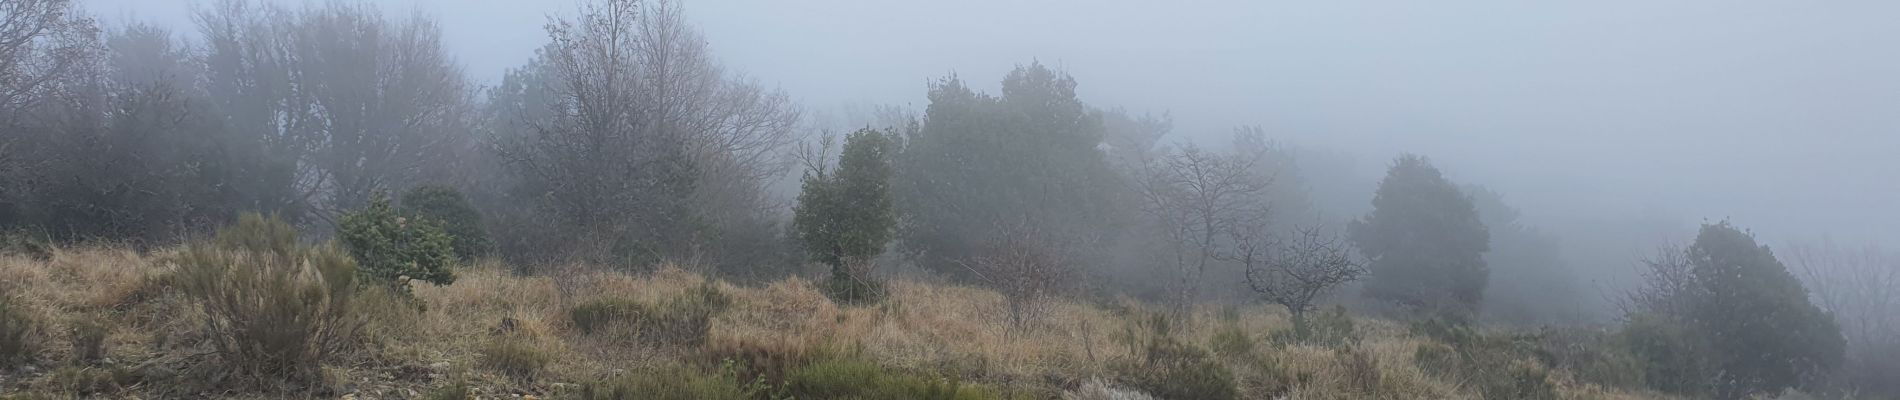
[(583, 333)]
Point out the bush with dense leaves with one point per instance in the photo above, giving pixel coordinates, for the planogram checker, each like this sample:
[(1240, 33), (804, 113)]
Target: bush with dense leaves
[(391, 249), (274, 308), (448, 208)]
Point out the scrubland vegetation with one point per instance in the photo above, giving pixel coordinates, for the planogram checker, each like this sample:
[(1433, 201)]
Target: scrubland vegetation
[(315, 202)]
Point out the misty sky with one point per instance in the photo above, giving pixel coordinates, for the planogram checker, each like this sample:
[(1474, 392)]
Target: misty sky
[(1782, 116)]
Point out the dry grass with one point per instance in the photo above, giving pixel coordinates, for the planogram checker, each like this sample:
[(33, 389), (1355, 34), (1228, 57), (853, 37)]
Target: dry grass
[(944, 329)]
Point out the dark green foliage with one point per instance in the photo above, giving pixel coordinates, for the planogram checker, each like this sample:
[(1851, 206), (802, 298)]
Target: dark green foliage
[(1725, 318), (845, 215), (1425, 242), (1765, 333), (450, 210), (19, 332), (275, 309), (1027, 157), (684, 320), (514, 356), (1674, 358), (389, 247)]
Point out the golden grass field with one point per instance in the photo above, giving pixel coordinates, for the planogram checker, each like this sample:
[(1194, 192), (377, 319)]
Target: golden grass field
[(951, 330)]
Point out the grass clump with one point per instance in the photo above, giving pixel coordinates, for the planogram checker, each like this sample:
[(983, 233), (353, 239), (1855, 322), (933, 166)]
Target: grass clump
[(1495, 366), (89, 340), (851, 378), (1230, 342), (84, 381), (514, 356), (274, 308), (19, 332), (683, 320)]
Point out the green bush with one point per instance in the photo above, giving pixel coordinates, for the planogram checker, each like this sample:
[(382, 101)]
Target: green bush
[(683, 320), (452, 211), (514, 356), (19, 333), (274, 308), (392, 249)]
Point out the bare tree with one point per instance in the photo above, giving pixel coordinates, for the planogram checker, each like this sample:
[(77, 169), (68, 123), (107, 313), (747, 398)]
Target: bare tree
[(39, 40), (1195, 198), (1861, 288), (1296, 273), (640, 117), (1668, 284), (1029, 271), (361, 102)]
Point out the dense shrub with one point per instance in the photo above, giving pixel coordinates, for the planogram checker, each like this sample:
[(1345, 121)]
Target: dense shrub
[(19, 332), (683, 320), (274, 308), (452, 211), (392, 249)]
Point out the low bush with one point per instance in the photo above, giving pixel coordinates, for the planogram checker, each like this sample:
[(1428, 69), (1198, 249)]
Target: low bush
[(449, 209), (682, 320), (273, 308), (392, 249), (19, 332)]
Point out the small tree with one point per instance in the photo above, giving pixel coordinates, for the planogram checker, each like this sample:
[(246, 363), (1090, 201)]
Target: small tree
[(391, 249), (459, 219), (844, 217), (1424, 242), (1297, 273), (1026, 269)]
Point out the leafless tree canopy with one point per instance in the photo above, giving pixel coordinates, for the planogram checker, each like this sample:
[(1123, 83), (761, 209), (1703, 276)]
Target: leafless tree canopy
[(1299, 270), (362, 103), (1198, 199), (1860, 286), (1028, 269)]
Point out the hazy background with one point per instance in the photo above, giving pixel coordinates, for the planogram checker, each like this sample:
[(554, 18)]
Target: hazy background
[(1613, 124)]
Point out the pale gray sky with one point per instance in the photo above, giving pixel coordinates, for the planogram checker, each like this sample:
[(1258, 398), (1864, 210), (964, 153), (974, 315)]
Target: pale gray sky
[(1781, 115)]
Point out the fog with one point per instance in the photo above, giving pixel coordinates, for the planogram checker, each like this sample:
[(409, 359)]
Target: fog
[(1613, 125)]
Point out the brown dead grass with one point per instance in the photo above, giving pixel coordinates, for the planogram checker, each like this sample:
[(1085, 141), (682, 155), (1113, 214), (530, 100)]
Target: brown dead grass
[(923, 327)]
